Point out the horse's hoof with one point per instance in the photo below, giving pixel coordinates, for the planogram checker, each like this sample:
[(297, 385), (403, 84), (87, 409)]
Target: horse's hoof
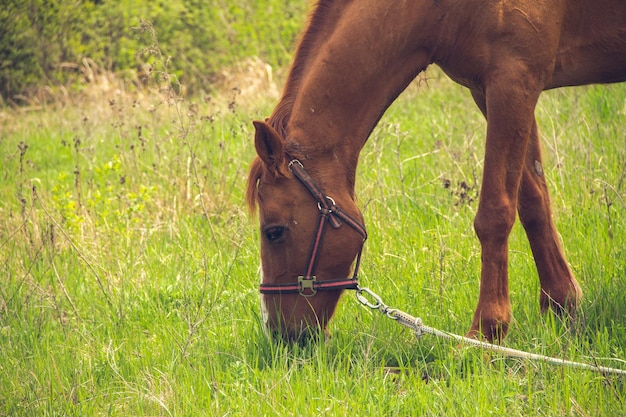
[(563, 303), (492, 331)]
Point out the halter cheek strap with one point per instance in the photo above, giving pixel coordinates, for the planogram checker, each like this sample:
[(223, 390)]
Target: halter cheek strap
[(307, 284)]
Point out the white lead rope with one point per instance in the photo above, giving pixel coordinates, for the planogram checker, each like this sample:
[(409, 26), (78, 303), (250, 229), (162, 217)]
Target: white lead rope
[(365, 297)]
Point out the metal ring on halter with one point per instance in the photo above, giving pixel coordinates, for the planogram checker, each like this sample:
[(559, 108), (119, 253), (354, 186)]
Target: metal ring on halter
[(319, 205), (295, 161)]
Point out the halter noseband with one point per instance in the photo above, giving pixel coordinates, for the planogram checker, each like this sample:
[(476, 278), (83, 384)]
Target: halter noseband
[(307, 284)]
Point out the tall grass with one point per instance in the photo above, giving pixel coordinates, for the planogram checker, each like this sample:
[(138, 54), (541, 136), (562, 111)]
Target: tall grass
[(130, 266)]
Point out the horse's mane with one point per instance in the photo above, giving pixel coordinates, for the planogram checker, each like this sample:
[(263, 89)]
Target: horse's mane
[(256, 169), (279, 119), (305, 49)]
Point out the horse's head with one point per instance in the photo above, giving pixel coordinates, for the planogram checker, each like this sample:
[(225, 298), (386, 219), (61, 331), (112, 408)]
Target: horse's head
[(309, 239)]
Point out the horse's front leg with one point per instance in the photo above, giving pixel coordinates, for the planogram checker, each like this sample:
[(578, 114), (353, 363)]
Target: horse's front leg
[(559, 288), (508, 104)]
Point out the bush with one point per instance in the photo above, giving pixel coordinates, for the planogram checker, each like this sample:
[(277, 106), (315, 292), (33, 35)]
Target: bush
[(43, 42)]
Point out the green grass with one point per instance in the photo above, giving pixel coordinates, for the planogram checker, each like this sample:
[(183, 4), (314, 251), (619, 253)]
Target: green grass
[(130, 265)]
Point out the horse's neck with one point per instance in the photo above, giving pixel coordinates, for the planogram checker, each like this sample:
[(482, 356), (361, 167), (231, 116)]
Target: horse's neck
[(353, 74)]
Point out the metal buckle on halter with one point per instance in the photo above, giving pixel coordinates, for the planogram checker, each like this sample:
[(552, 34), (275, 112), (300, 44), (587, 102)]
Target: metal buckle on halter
[(307, 284)]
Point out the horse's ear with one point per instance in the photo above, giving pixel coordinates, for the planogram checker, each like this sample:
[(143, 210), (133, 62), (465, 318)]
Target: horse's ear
[(269, 146)]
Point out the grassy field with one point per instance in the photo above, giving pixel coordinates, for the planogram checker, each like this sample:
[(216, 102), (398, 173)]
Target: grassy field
[(130, 265)]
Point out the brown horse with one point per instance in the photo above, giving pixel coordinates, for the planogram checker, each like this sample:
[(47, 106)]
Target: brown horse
[(354, 59)]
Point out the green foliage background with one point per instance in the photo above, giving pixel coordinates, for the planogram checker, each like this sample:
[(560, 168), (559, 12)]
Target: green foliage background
[(43, 42)]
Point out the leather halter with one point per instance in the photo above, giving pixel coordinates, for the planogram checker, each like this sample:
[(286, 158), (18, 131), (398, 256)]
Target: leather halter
[(307, 284)]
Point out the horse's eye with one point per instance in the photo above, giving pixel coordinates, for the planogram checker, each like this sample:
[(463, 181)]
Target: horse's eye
[(275, 233)]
